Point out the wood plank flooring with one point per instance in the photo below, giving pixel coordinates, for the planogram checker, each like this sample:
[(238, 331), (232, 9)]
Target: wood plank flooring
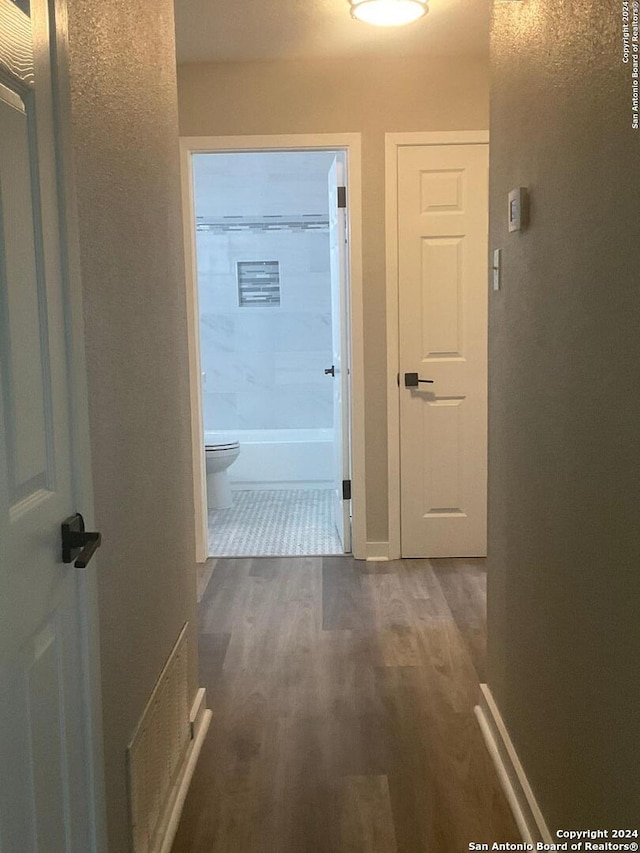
[(342, 696)]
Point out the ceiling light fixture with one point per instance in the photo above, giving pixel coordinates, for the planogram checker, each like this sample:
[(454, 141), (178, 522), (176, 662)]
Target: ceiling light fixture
[(388, 13)]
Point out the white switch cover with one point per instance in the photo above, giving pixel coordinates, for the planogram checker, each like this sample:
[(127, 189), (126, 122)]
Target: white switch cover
[(497, 268)]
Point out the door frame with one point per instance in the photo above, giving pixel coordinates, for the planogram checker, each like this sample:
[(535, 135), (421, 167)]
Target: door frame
[(351, 144), (393, 142)]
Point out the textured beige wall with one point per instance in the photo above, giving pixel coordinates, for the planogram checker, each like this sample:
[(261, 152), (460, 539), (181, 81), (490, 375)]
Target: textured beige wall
[(564, 469), (371, 97), (124, 126)]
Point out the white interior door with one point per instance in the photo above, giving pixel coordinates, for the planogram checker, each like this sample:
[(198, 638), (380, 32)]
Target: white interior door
[(49, 767), (442, 274), (340, 375)]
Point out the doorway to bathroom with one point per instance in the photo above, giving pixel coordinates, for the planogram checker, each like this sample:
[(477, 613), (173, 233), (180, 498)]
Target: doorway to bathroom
[(269, 235)]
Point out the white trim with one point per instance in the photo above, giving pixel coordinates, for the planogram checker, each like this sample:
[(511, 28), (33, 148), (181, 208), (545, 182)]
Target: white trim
[(511, 774), (351, 143), (377, 552), (195, 385), (394, 141), (200, 718)]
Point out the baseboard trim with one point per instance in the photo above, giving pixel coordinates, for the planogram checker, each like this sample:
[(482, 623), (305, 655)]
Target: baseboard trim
[(200, 718), (513, 779), (377, 552)]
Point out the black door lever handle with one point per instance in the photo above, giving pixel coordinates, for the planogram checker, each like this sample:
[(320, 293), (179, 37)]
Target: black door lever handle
[(76, 539), (411, 380), (330, 371)]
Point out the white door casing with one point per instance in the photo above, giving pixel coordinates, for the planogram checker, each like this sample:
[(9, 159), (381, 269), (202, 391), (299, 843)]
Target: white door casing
[(51, 796), (442, 216), (351, 144), (340, 351)]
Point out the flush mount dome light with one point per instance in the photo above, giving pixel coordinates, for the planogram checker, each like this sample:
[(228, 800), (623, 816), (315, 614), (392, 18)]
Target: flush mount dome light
[(388, 13)]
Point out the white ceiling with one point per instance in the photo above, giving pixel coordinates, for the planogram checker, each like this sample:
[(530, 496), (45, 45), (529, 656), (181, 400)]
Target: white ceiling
[(241, 30)]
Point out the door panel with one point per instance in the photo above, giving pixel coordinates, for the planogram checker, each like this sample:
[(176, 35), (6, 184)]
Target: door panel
[(25, 361), (441, 293), (46, 719), (442, 251)]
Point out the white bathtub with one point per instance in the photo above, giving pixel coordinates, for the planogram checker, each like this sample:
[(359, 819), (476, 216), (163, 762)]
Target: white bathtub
[(279, 458)]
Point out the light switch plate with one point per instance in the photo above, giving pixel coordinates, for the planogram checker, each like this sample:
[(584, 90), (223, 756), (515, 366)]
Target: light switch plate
[(496, 268)]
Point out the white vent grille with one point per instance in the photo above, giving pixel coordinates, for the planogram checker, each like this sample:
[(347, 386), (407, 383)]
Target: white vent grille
[(157, 750)]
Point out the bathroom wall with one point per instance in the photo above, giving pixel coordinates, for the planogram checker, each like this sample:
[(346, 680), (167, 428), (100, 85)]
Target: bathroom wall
[(263, 367), (371, 96)]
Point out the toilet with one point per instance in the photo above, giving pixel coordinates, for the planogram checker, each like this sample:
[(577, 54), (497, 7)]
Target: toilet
[(219, 454)]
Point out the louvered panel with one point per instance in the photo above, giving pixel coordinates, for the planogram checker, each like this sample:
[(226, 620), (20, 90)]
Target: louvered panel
[(157, 750), (16, 48)]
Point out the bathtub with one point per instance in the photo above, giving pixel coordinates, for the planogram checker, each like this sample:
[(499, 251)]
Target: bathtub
[(280, 458)]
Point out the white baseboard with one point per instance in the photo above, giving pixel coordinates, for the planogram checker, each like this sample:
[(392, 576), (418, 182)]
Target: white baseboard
[(377, 552), (200, 718), (513, 779)]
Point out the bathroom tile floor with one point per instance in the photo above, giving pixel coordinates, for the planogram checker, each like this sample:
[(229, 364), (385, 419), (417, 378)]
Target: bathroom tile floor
[(275, 523)]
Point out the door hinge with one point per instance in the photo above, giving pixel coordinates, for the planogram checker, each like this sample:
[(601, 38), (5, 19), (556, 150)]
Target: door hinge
[(346, 490), (342, 197)]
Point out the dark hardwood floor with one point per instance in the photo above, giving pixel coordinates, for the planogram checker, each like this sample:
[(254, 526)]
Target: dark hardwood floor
[(342, 696)]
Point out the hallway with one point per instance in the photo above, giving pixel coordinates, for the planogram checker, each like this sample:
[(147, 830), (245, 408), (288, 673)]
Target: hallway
[(342, 696)]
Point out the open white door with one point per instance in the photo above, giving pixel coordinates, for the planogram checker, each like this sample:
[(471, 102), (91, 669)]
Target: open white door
[(442, 275), (339, 371), (50, 759)]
